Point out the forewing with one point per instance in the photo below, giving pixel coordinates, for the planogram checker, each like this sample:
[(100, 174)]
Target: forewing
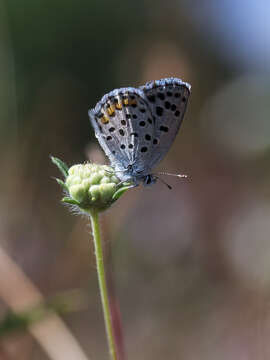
[(168, 100), (124, 127)]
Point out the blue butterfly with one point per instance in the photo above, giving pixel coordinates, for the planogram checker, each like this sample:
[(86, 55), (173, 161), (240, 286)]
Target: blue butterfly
[(137, 126)]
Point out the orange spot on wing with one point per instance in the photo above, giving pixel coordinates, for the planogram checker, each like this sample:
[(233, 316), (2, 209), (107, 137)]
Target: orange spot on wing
[(111, 110), (104, 119), (118, 106), (132, 102), (126, 101)]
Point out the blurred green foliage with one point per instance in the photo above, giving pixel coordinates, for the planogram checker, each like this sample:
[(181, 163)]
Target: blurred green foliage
[(60, 304)]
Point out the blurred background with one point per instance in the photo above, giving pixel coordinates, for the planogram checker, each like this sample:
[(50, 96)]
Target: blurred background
[(191, 266)]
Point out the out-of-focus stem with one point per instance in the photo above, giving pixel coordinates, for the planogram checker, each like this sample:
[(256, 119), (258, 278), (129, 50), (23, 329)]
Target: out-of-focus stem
[(115, 312)]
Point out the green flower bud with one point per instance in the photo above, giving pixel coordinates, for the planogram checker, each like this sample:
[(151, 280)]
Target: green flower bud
[(94, 192), (95, 177), (106, 191), (77, 192), (90, 186)]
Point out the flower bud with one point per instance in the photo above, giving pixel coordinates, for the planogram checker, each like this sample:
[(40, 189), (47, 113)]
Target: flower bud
[(90, 187)]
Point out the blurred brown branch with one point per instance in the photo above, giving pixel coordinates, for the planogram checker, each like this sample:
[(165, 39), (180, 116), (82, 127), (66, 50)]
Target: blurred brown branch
[(19, 293)]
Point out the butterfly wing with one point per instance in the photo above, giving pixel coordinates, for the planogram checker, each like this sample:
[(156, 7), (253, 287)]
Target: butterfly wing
[(124, 127), (167, 100)]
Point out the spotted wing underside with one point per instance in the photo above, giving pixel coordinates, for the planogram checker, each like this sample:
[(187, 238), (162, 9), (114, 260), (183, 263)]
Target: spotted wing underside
[(168, 100), (124, 127)]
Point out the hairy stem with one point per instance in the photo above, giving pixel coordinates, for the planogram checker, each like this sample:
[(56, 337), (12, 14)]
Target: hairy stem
[(102, 285)]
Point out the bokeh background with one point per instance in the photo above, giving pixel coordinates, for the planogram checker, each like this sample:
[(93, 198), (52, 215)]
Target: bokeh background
[(191, 266)]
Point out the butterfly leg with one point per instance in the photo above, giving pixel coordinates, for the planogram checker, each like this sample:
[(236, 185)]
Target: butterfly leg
[(116, 171), (130, 185)]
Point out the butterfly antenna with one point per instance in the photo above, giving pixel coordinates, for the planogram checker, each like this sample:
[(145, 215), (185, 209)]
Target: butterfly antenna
[(177, 175), (164, 182)]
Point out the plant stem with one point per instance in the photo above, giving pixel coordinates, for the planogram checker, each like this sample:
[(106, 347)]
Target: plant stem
[(102, 284)]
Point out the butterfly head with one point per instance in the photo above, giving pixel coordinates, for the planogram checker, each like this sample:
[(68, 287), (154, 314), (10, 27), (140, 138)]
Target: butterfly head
[(149, 179)]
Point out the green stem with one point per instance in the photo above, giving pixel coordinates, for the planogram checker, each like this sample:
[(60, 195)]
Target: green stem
[(102, 284)]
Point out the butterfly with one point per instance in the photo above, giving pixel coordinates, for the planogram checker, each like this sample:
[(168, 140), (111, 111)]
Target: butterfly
[(137, 126)]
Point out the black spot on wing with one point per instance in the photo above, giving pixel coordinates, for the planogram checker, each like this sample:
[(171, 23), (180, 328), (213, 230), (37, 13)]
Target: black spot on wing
[(159, 110), (147, 137), (161, 96), (151, 98), (164, 128), (167, 105)]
